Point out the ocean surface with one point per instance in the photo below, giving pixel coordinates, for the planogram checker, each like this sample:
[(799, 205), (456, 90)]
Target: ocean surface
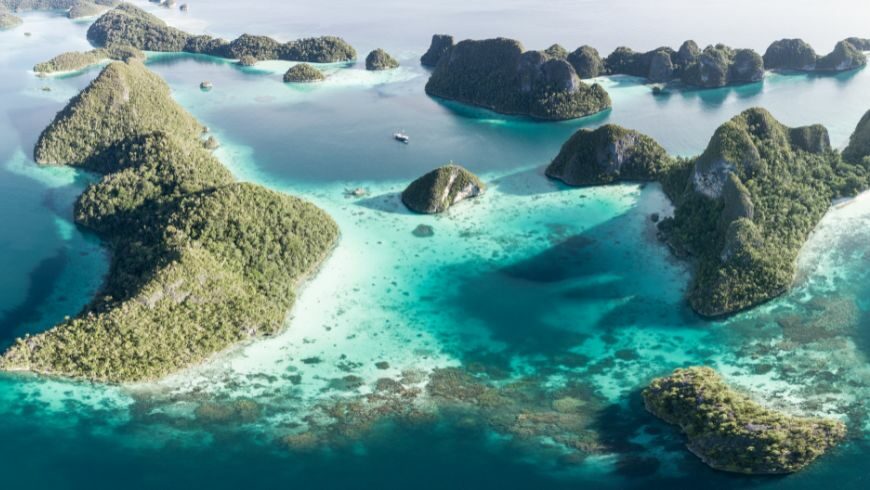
[(561, 298)]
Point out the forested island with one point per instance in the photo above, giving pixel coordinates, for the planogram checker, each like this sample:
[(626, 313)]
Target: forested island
[(743, 208), (500, 75), (199, 262), (731, 432), (129, 25), (77, 60)]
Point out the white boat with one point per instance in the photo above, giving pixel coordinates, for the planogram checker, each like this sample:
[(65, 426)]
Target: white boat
[(401, 136)]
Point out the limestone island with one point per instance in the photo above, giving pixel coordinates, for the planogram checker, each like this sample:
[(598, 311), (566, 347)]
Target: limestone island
[(379, 60), (731, 432), (8, 20), (199, 262), (743, 208), (797, 55), (76, 60), (247, 60), (498, 74), (129, 25), (441, 189), (85, 8), (303, 73)]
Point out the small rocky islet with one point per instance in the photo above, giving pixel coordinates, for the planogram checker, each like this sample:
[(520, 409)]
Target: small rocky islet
[(442, 188), (379, 60), (303, 73)]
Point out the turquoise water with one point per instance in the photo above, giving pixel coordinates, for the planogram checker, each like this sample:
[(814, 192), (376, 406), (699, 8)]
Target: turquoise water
[(562, 291)]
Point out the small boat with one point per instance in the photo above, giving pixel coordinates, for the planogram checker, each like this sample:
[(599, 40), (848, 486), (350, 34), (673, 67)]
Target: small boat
[(401, 136)]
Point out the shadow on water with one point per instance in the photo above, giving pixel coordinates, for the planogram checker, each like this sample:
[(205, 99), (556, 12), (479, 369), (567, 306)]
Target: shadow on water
[(529, 182), (387, 203), (604, 279), (479, 113), (42, 281)]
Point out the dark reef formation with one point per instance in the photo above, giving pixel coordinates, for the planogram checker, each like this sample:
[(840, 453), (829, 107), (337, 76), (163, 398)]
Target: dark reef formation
[(303, 73), (199, 261), (442, 188), (731, 432), (609, 154), (380, 60), (128, 25), (743, 208), (500, 75), (440, 45)]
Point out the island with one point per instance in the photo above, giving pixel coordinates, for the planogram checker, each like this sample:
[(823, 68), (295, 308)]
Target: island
[(441, 189), (498, 74), (797, 55), (379, 60), (129, 25), (731, 432), (303, 73), (76, 60), (8, 20), (199, 262), (743, 208), (587, 62), (85, 8), (608, 154)]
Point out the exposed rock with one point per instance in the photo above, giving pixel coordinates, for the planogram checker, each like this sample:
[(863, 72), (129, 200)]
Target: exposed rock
[(441, 44), (380, 60), (608, 154), (497, 74), (687, 54), (586, 62), (557, 51), (303, 73), (442, 188), (790, 54), (731, 432)]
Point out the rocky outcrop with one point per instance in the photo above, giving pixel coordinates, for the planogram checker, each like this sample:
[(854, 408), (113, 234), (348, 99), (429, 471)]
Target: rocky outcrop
[(844, 57), (790, 54), (7, 20), (557, 51), (586, 62), (441, 44), (499, 75), (731, 432), (859, 144), (85, 8), (442, 188), (303, 73), (379, 60), (609, 154), (862, 44)]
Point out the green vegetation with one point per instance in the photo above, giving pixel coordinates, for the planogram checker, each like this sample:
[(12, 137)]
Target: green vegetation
[(859, 144), (557, 51), (442, 188), (497, 74), (76, 60), (746, 205), (844, 57), (86, 8), (790, 54), (380, 60), (609, 154), (731, 432), (199, 262), (126, 24), (441, 45), (586, 62), (247, 60), (303, 73)]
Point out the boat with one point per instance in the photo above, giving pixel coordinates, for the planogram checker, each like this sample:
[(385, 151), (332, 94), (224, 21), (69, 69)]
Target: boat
[(401, 136)]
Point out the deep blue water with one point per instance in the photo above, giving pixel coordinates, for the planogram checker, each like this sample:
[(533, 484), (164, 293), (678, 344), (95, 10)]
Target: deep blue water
[(535, 280)]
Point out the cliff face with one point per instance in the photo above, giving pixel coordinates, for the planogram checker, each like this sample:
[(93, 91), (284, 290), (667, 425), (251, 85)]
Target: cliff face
[(499, 75), (441, 44), (609, 154), (731, 432)]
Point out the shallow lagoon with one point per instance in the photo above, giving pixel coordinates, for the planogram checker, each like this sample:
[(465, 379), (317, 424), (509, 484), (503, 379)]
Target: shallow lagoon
[(532, 282)]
